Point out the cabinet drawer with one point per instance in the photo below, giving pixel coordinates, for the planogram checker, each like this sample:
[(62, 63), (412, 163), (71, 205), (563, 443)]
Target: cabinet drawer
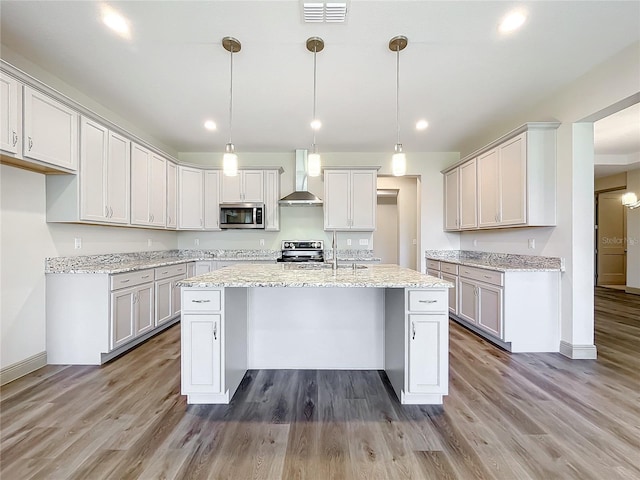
[(433, 264), (201, 300), (450, 268), (427, 301), (170, 271), (122, 280), (481, 275), (433, 273)]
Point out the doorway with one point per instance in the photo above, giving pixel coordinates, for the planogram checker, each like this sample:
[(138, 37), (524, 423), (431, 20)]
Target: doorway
[(385, 237), (611, 239)]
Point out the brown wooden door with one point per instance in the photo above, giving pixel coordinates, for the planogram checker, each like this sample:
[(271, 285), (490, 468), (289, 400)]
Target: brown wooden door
[(612, 234)]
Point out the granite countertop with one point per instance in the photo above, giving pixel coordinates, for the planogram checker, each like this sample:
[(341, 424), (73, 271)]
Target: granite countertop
[(320, 275), (502, 262), (129, 262)]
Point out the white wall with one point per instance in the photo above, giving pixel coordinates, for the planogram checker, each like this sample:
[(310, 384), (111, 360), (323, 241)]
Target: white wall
[(633, 235), (26, 240), (588, 98)]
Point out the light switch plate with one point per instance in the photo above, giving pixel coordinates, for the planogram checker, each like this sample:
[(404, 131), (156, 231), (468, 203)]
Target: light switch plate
[(364, 241), (77, 243)]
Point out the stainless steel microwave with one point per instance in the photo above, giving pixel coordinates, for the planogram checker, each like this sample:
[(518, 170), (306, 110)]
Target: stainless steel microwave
[(242, 215)]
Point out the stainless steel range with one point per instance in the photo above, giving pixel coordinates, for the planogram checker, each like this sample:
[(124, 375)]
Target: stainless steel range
[(302, 251)]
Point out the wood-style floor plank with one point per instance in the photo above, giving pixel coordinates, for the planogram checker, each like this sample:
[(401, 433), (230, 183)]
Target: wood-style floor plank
[(507, 416)]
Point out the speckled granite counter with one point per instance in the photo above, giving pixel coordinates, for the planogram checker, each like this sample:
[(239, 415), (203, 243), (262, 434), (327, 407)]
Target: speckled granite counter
[(503, 262), (128, 262), (294, 275)]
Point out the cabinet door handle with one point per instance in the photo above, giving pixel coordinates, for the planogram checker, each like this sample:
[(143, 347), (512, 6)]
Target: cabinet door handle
[(487, 276), (110, 212), (200, 301), (106, 211), (215, 330), (427, 301), (15, 138), (30, 143), (413, 330), (125, 281), (145, 276)]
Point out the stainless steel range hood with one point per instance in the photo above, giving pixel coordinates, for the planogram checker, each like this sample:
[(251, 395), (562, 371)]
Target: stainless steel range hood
[(301, 197)]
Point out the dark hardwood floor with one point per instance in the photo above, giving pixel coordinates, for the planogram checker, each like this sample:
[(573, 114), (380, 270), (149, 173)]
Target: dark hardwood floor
[(520, 416)]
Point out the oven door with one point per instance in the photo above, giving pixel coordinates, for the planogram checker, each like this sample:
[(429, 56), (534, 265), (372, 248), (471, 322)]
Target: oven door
[(242, 215)]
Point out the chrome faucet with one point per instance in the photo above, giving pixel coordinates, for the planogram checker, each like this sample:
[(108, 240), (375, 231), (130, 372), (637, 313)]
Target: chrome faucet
[(334, 247)]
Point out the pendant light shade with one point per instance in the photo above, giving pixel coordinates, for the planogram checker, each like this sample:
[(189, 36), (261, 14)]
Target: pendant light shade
[(314, 165), (399, 160), (230, 159)]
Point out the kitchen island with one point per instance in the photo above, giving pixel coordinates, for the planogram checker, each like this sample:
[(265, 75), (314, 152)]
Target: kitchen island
[(309, 316)]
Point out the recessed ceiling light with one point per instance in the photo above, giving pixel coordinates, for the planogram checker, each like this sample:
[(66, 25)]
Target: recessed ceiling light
[(422, 125), (210, 125), (512, 22), (116, 22)]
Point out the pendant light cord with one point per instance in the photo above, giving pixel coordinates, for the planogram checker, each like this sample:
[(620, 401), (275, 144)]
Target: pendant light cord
[(314, 95), (231, 97), (398, 92)]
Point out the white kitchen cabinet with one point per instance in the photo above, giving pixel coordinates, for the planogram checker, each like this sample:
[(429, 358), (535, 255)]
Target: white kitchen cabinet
[(468, 195), (50, 131), (167, 294), (201, 363), (104, 174), (10, 115), (247, 186), (452, 200), (191, 212), (350, 199), (148, 187), (212, 199), (172, 195), (502, 184), (481, 304), (271, 198), (453, 292), (204, 266), (427, 336), (515, 181), (132, 312)]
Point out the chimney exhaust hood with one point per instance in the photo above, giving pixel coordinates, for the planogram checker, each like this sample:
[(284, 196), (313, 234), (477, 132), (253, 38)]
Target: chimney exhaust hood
[(301, 197)]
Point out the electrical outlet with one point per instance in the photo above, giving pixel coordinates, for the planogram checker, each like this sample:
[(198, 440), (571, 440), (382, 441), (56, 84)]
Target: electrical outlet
[(532, 243), (196, 241), (262, 242), (415, 241), (77, 243), (475, 242), (364, 241), (348, 242), (149, 242)]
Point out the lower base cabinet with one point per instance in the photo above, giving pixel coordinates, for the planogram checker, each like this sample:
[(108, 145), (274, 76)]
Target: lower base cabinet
[(202, 364), (94, 317), (515, 309)]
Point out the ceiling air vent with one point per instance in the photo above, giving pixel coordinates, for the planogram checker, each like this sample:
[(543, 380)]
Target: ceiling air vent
[(321, 12)]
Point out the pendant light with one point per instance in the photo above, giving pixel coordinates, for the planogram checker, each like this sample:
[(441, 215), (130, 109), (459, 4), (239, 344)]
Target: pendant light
[(399, 160), (230, 159), (314, 45)]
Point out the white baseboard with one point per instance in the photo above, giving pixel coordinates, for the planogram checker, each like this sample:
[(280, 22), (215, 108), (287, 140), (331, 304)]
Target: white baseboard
[(578, 352), (20, 369), (634, 290)]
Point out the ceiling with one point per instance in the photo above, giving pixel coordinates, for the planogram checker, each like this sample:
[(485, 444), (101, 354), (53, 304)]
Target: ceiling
[(457, 72)]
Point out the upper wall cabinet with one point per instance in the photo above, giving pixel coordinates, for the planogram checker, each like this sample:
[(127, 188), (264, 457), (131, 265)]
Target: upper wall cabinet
[(172, 195), (509, 183), (50, 131), (148, 187), (190, 206), (100, 192), (247, 186), (271, 198), (10, 115), (350, 199)]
